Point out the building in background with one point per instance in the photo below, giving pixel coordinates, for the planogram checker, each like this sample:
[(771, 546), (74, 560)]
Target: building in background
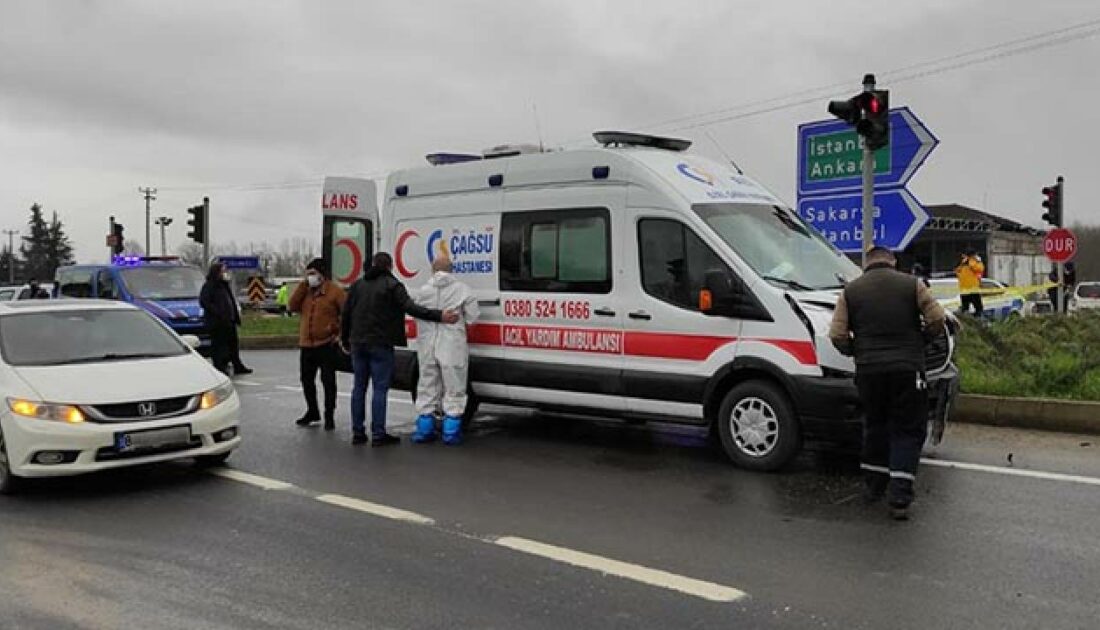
[(1012, 252)]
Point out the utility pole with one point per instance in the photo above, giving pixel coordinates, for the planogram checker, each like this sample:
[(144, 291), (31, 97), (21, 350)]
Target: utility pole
[(163, 222), (11, 255), (150, 195)]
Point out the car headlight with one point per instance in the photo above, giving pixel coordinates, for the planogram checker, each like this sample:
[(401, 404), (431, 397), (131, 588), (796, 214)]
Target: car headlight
[(45, 411), (216, 396)]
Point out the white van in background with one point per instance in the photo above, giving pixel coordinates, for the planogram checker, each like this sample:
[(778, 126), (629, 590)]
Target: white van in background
[(635, 280)]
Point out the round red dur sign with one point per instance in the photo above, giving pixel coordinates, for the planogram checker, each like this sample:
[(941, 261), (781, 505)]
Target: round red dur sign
[(1060, 245)]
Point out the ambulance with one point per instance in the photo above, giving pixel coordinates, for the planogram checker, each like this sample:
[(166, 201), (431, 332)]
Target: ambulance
[(630, 280)]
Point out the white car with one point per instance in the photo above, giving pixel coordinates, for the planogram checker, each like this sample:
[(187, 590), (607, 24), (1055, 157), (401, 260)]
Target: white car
[(88, 385), (1086, 296)]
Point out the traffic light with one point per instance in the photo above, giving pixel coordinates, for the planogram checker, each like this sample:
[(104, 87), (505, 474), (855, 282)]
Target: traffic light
[(875, 126), (117, 248), (197, 223), (869, 112), (1053, 204)]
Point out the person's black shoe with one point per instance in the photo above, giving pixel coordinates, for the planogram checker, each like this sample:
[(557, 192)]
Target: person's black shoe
[(306, 420), (359, 438), (330, 424), (241, 371), (385, 440), (899, 512)]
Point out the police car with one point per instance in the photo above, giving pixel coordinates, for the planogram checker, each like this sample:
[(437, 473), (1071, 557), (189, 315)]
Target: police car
[(635, 280), (87, 385), (161, 285), (998, 300)]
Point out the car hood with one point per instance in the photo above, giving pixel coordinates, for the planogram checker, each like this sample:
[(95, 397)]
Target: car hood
[(121, 381), (171, 309)]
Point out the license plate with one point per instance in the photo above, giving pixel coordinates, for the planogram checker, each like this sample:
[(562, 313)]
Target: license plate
[(152, 438)]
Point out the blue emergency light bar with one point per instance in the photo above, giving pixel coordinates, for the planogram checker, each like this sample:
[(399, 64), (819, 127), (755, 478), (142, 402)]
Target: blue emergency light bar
[(127, 260)]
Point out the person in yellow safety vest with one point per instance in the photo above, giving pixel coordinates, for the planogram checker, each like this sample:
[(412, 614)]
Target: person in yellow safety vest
[(969, 272), (282, 299)]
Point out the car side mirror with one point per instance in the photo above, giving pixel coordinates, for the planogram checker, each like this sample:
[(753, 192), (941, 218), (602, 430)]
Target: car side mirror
[(192, 341)]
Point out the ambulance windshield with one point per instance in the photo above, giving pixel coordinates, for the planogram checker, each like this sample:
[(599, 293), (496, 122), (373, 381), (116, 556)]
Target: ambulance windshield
[(778, 245)]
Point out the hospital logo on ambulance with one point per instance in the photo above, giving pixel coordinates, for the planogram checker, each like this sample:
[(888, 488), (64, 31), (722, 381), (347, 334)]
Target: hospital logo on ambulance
[(695, 173), (470, 251)]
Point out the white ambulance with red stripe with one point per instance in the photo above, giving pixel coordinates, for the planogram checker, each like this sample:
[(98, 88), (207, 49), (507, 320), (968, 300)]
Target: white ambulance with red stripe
[(638, 281)]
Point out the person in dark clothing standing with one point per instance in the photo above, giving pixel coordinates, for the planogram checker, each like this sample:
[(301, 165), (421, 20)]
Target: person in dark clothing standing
[(883, 319), (373, 323), (319, 301), (222, 315)]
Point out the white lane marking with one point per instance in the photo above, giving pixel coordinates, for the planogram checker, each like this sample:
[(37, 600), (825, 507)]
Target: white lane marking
[(1015, 472), (252, 480), (289, 388), (653, 577), (298, 390), (376, 509), (248, 383)]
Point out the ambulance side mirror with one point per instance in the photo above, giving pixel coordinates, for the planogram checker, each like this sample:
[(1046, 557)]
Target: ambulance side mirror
[(722, 293)]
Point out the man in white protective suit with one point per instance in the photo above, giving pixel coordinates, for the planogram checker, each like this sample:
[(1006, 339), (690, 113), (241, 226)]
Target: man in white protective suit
[(443, 355)]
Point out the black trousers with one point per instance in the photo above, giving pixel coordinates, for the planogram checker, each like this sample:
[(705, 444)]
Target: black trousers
[(222, 341), (225, 346), (973, 300), (894, 429), (310, 361)]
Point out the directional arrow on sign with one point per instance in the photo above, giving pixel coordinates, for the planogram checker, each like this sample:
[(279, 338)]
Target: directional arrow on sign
[(830, 154), (899, 217)]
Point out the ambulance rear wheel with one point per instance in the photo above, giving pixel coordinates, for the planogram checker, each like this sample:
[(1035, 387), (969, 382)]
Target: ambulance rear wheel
[(758, 427)]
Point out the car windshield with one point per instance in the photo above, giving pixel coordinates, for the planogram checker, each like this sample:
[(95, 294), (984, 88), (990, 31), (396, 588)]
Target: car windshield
[(945, 289), (1089, 291), (779, 245), (92, 336), (163, 283)]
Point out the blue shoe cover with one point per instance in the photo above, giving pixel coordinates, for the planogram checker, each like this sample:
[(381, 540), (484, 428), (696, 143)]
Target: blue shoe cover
[(425, 429), (452, 430)]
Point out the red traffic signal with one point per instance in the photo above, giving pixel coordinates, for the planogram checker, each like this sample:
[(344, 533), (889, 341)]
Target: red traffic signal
[(1053, 203)]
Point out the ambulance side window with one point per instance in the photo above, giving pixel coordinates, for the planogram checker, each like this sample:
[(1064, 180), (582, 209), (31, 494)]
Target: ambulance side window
[(565, 251), (674, 262)]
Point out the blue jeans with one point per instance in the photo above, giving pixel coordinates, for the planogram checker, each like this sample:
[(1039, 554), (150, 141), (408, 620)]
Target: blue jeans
[(373, 364)]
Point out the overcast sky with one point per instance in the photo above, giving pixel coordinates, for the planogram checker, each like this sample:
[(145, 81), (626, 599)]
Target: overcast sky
[(220, 97)]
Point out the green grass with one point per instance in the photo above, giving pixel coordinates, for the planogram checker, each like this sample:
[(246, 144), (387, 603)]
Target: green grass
[(1053, 356), (257, 325)]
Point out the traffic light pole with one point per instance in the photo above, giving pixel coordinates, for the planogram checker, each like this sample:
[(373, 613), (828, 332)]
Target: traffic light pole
[(868, 201), (206, 232), (1061, 266), (111, 232), (868, 185)]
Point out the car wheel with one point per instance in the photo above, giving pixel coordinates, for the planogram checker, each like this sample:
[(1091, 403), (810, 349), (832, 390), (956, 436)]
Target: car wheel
[(209, 461), (758, 427), (9, 483)]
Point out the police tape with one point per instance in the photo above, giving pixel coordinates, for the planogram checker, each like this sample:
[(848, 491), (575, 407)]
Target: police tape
[(944, 292)]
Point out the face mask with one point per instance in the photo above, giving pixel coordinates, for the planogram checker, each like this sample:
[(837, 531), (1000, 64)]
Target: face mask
[(313, 280), (226, 277)]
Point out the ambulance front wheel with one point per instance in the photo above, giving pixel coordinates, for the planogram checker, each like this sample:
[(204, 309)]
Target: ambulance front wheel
[(758, 426)]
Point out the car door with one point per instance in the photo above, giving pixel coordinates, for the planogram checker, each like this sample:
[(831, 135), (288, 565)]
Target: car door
[(349, 224), (562, 333), (671, 346)]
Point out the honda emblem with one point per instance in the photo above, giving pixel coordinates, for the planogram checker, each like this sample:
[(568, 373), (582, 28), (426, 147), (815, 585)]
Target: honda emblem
[(147, 409)]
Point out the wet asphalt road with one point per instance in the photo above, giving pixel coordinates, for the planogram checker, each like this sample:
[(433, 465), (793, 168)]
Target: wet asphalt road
[(175, 547)]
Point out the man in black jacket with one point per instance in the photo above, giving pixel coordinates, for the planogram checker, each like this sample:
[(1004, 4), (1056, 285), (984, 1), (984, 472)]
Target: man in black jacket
[(373, 323), (222, 315), (882, 319)]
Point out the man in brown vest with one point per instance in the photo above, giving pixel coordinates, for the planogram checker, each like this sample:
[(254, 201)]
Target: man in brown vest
[(882, 319)]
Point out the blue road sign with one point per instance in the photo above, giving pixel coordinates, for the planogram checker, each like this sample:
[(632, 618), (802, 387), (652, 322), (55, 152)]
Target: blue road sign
[(240, 262), (830, 154), (899, 217)]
